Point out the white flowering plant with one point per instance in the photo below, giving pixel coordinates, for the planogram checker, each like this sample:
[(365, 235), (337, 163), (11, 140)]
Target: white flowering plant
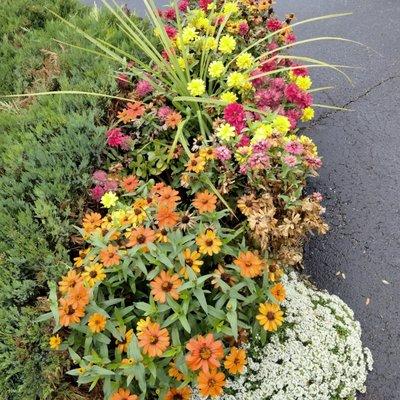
[(317, 356)]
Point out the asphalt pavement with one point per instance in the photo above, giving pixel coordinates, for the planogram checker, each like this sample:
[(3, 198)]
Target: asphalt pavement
[(359, 259)]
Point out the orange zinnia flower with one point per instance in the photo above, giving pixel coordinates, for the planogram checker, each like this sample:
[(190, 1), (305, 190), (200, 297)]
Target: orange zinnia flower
[(208, 153), (124, 394), (69, 281), (168, 196), (141, 236), (97, 322), (204, 353), (250, 264), (279, 292), (69, 314), (175, 373), (109, 256), (157, 187), (173, 119), (167, 217), (164, 284), (91, 220), (205, 202), (79, 296), (131, 112), (153, 340), (130, 183), (211, 383), (179, 394), (235, 361)]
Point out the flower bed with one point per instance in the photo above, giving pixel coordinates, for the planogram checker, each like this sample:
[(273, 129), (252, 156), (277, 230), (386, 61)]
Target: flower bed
[(200, 212)]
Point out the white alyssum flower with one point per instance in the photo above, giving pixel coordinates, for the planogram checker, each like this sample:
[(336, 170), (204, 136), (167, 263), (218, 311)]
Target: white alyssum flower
[(319, 356)]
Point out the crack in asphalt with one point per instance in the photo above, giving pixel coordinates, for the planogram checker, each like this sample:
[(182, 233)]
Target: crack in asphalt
[(352, 101)]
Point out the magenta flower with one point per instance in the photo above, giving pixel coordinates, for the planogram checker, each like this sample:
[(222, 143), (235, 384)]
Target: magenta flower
[(115, 138), (259, 161), (244, 141), (262, 146), (163, 112), (274, 24), (223, 153), (171, 31), (234, 115), (290, 161), (203, 4), (97, 193), (111, 186), (290, 38), (313, 162), (183, 5), (294, 147), (268, 98), (99, 176), (294, 117), (243, 29), (169, 14), (143, 88)]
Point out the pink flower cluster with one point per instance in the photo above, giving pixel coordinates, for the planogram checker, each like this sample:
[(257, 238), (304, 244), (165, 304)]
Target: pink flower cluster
[(115, 138), (103, 184), (234, 115), (143, 88)]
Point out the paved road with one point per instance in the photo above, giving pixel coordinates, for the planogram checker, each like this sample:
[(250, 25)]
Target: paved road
[(361, 175)]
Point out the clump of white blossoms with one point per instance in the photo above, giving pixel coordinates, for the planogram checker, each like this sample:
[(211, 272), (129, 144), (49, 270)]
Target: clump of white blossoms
[(318, 355)]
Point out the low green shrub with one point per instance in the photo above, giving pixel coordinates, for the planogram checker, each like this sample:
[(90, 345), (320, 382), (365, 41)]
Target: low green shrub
[(48, 148)]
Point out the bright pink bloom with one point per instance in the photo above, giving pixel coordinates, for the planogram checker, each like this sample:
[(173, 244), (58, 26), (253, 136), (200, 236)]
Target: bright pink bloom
[(295, 95), (257, 82), (278, 83), (243, 29), (268, 66), (294, 116), (115, 138), (97, 193), (244, 141), (203, 4), (294, 147), (223, 153), (234, 115), (110, 186), (143, 88), (300, 70), (290, 38), (262, 146), (274, 24), (243, 169), (290, 161), (169, 14), (183, 5), (268, 98), (171, 31)]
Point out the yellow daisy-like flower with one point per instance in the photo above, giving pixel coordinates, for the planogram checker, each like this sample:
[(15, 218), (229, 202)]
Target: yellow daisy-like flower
[(97, 322), (308, 114), (245, 61), (236, 80), (229, 97), (270, 317), (230, 8), (202, 23), (55, 342), (142, 324), (216, 69), (128, 361), (262, 132), (227, 44), (189, 34), (192, 260), (226, 132), (210, 43), (209, 243), (94, 273), (243, 153), (196, 87), (304, 82), (109, 199), (281, 124)]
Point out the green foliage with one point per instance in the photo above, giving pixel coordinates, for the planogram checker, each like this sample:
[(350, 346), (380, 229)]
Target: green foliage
[(48, 149)]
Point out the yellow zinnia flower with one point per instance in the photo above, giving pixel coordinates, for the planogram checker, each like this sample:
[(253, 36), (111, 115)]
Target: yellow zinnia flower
[(236, 80), (229, 97), (308, 114), (189, 34), (216, 69), (94, 273), (270, 317), (109, 199), (244, 61), (209, 243), (55, 342), (226, 132), (210, 43), (281, 124), (262, 132), (97, 322), (304, 82), (196, 87), (230, 8), (227, 44)]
